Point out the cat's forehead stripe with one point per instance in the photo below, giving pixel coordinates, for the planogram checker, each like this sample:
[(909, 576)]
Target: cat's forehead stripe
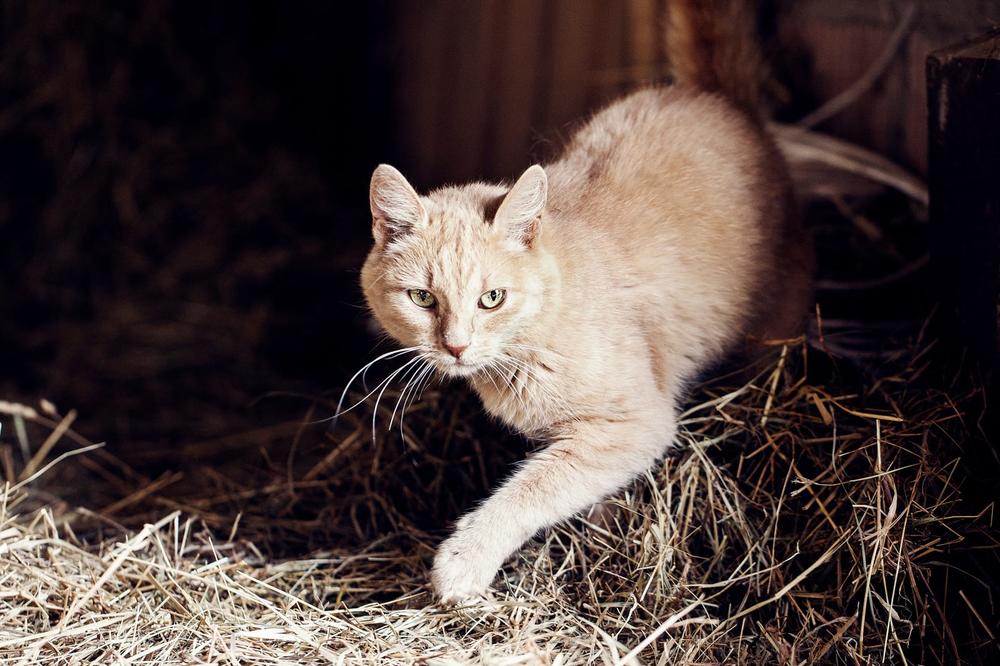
[(457, 264)]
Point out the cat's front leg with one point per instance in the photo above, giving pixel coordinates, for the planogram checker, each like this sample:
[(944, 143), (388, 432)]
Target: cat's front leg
[(589, 460)]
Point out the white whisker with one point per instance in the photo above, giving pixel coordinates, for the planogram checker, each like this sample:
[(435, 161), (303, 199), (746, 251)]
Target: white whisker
[(523, 365), (409, 376), (428, 369), (429, 377), (388, 355), (510, 385), (385, 385), (489, 375), (419, 386), (538, 380)]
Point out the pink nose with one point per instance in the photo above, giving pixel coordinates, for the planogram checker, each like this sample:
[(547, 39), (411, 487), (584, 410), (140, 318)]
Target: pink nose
[(456, 350)]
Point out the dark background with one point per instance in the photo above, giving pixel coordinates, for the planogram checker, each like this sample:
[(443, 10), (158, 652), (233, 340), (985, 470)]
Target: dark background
[(183, 186), (184, 205)]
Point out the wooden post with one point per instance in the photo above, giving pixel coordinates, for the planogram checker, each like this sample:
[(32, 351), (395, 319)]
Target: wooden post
[(963, 97)]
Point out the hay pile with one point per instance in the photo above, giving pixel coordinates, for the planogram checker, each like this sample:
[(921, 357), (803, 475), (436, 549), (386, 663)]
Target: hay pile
[(796, 525)]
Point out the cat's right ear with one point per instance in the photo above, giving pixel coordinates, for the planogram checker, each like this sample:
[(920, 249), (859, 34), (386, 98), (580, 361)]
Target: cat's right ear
[(520, 211), (396, 209)]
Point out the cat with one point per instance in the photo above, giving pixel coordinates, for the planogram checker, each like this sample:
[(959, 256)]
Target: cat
[(581, 301)]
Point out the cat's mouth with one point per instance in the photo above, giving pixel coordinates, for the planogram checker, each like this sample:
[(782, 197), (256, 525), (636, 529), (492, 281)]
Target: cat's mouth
[(458, 367)]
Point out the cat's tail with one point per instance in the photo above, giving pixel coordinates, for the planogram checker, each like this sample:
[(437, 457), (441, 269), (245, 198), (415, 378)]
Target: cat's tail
[(713, 45)]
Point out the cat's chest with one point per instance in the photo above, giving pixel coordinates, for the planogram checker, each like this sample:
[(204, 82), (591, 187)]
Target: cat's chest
[(529, 399)]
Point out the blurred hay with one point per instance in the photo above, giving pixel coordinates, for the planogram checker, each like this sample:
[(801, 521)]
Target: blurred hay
[(796, 524)]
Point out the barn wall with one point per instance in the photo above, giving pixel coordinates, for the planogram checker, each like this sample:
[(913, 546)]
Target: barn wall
[(487, 87), (833, 42)]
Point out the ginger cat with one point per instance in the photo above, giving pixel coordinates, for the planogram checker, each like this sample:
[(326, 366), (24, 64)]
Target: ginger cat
[(580, 301)]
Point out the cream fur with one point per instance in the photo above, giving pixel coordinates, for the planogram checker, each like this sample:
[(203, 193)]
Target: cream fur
[(660, 241)]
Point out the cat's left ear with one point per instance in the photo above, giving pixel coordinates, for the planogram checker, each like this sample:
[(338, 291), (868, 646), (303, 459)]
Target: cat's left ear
[(520, 211), (396, 209)]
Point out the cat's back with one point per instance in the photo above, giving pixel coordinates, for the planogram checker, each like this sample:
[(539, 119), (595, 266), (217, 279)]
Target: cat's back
[(675, 146), (682, 194)]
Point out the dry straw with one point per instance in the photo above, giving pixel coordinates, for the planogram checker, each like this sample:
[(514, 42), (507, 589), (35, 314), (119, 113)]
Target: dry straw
[(795, 525)]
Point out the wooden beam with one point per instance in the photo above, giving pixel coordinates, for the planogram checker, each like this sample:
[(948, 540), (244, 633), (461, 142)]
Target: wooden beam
[(963, 96)]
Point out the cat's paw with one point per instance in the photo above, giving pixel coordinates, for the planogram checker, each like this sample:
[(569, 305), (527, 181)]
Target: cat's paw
[(463, 566)]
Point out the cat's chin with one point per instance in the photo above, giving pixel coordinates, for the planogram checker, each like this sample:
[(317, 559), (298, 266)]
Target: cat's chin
[(460, 370)]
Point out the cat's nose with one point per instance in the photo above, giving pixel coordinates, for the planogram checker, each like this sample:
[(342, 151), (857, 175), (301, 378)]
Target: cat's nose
[(456, 350)]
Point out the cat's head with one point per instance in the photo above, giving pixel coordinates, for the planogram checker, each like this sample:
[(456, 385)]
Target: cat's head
[(461, 273)]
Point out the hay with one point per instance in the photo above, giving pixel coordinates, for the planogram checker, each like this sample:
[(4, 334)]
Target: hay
[(795, 525)]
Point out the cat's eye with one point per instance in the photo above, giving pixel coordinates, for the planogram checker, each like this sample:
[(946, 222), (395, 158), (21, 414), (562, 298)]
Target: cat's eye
[(422, 297), (492, 298)]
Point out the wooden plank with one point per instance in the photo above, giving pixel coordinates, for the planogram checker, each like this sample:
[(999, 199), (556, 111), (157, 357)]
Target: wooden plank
[(609, 54), (643, 40), (963, 106), (511, 128), (914, 121), (572, 37), (421, 78), (462, 97)]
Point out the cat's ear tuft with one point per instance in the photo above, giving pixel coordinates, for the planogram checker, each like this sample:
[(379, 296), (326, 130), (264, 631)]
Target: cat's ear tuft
[(521, 210), (396, 208)]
